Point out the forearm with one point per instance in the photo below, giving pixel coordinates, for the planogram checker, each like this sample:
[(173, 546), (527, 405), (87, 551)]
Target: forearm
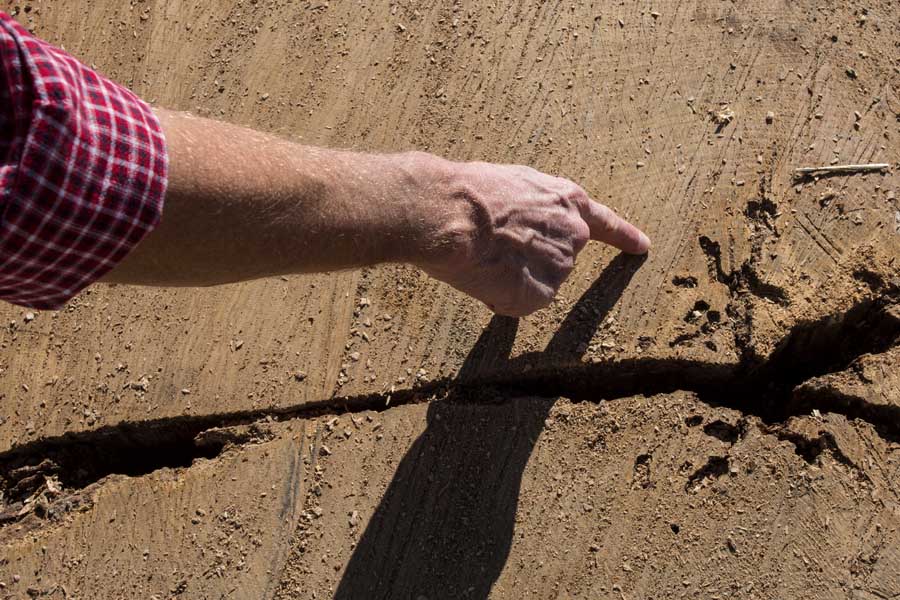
[(243, 205)]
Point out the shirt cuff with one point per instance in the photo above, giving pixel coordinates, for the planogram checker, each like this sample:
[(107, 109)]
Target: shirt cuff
[(83, 171)]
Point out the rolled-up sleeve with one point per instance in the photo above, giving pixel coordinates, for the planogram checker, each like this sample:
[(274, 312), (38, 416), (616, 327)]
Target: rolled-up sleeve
[(83, 171)]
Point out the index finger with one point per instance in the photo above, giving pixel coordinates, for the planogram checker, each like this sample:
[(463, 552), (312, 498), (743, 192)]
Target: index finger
[(609, 228)]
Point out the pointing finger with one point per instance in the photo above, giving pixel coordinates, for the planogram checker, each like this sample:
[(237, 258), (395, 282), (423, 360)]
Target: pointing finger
[(608, 227)]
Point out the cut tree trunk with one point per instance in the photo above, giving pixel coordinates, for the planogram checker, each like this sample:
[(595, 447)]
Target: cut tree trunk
[(765, 298)]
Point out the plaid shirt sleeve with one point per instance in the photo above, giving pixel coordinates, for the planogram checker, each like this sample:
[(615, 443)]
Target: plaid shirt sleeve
[(83, 169)]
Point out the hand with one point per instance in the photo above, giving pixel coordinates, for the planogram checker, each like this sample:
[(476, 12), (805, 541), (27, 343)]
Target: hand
[(508, 235)]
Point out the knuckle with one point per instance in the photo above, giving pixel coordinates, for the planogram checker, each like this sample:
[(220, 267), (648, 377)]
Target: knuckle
[(567, 203), (575, 192), (581, 234), (578, 192)]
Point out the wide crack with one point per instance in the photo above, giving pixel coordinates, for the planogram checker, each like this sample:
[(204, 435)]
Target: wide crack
[(763, 389)]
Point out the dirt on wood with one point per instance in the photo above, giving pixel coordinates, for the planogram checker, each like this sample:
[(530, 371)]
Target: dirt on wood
[(719, 419)]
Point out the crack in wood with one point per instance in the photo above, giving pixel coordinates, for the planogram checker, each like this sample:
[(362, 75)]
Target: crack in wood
[(763, 389)]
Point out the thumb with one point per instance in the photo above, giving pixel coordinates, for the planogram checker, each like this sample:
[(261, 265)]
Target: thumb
[(609, 228)]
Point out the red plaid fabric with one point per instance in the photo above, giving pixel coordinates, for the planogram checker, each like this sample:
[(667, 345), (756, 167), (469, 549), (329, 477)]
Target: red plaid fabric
[(83, 170)]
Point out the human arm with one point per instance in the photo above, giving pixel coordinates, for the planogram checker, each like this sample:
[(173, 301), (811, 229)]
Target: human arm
[(85, 177), (242, 205)]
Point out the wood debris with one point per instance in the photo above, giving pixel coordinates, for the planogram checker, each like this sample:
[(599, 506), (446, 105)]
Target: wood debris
[(848, 169)]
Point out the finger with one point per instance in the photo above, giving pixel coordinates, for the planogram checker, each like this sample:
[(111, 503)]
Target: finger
[(521, 293), (533, 294), (608, 227), (550, 263)]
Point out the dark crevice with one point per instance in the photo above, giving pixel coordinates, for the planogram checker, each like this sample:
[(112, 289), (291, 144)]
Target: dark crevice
[(877, 282), (765, 389), (723, 431), (713, 252), (761, 209), (810, 448), (714, 468), (744, 279), (826, 399), (874, 280), (137, 448), (684, 281), (693, 420), (748, 278), (641, 477), (77, 460), (684, 338), (831, 343)]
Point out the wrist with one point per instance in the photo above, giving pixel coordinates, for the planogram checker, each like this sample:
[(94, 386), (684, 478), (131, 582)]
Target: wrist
[(431, 215)]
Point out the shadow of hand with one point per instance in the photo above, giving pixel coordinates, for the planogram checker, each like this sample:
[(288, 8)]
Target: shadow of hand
[(444, 527)]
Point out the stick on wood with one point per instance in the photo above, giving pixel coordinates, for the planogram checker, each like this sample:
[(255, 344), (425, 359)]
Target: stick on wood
[(843, 169)]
